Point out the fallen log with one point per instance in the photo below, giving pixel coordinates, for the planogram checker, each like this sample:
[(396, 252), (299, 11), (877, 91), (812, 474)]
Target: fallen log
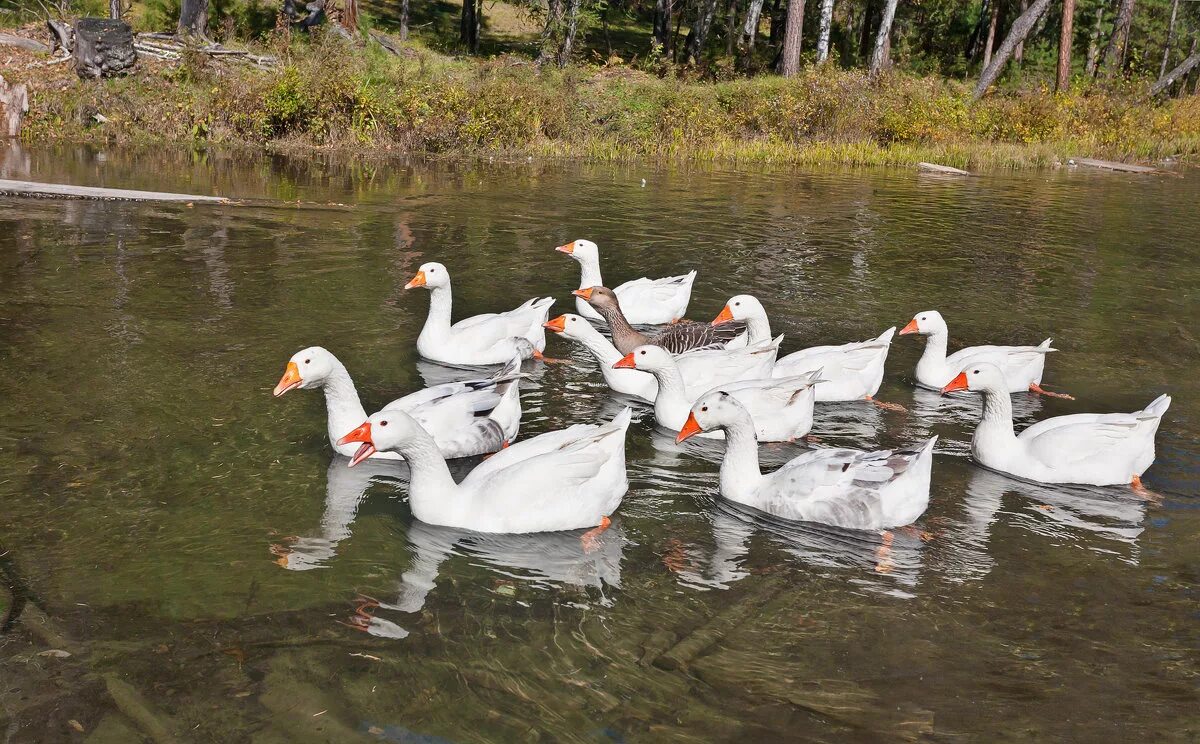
[(62, 36), (21, 42), (943, 169), (1183, 68), (61, 190), (1114, 166)]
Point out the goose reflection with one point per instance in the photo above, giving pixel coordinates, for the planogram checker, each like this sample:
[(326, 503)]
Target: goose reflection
[(543, 560), (962, 411)]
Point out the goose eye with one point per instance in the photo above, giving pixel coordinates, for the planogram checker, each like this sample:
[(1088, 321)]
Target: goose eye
[(705, 408), (737, 304), (974, 371), (306, 361), (383, 423), (643, 353), (922, 318)]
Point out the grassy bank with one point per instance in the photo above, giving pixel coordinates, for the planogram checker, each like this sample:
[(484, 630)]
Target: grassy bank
[(330, 94)]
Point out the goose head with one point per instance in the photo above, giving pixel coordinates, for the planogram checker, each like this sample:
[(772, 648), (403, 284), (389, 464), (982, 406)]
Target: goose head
[(307, 369), (647, 358), (740, 307), (926, 323), (979, 378), (382, 432), (571, 326), (581, 250), (715, 410), (601, 298), (430, 275)]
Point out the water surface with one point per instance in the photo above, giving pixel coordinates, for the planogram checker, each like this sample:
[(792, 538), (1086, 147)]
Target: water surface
[(194, 537)]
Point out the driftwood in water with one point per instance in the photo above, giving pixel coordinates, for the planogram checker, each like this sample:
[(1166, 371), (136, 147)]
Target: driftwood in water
[(14, 102), (13, 40), (1114, 166), (103, 47), (711, 633), (942, 169), (29, 188), (62, 36)]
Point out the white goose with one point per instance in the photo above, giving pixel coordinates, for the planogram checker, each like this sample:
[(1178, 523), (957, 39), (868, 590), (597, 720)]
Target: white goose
[(1099, 449), (701, 370), (644, 301), (781, 409), (481, 339), (841, 487), (851, 371), (1022, 365), (562, 480), (468, 418)]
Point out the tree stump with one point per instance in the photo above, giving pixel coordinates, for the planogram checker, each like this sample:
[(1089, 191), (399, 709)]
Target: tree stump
[(103, 47), (14, 102)]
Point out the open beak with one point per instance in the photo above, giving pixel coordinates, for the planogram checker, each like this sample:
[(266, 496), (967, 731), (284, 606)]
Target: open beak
[(724, 316), (625, 362), (558, 325), (585, 294), (361, 434), (568, 248), (290, 379), (910, 328), (417, 281), (690, 428), (958, 383)]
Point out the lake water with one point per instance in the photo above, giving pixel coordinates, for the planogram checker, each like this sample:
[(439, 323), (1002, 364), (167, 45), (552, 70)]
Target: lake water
[(191, 536)]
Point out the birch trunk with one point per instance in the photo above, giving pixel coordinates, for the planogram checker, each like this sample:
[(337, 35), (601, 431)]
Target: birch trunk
[(706, 14), (824, 30), (750, 28), (789, 63), (1020, 29), (883, 39), (1065, 39), (1162, 69), (564, 53)]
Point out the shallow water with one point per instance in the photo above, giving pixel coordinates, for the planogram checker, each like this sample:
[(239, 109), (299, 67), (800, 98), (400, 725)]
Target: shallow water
[(194, 537)]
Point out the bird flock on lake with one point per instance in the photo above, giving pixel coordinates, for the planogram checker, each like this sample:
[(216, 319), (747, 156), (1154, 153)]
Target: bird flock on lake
[(723, 379)]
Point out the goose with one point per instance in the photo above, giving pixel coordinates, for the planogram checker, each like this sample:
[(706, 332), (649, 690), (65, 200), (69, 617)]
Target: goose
[(645, 301), (701, 370), (480, 340), (676, 338), (1022, 365), (782, 409), (1098, 449), (841, 487), (851, 371), (468, 418), (561, 480)]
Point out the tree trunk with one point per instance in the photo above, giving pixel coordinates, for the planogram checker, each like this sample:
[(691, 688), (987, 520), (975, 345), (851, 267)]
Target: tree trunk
[(14, 103), (866, 33), (1065, 39), (731, 28), (564, 53), (468, 27), (698, 38), (1019, 52), (1162, 69), (1180, 71), (1093, 52), (103, 47), (824, 30), (883, 39), (114, 9), (1020, 29), (977, 33), (991, 32), (777, 23), (663, 10), (789, 63), (750, 28), (193, 17), (403, 20), (1114, 53), (554, 18)]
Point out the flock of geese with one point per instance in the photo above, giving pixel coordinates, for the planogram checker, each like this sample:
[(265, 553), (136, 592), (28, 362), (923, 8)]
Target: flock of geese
[(723, 379)]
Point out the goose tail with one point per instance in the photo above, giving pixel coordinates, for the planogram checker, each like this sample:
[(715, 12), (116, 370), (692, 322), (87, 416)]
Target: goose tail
[(1156, 409)]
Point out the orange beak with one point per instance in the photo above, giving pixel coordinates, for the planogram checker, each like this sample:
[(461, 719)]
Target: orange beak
[(910, 328), (361, 434), (568, 248), (958, 383), (290, 379), (625, 362), (558, 325), (690, 428), (724, 316), (417, 281), (586, 294)]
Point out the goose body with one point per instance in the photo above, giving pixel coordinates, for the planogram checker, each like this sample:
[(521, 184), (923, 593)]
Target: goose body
[(479, 340), (1022, 365), (465, 419), (562, 480), (644, 301), (781, 409), (677, 338), (1099, 449), (842, 487), (700, 370), (850, 371)]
